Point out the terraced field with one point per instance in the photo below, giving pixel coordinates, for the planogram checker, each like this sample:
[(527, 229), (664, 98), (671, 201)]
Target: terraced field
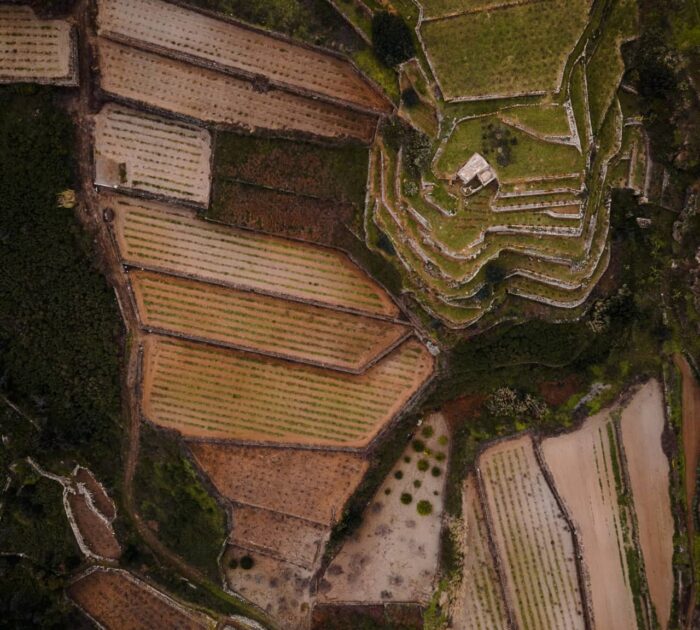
[(154, 236), (116, 599), (167, 84), (479, 603), (34, 50), (263, 324), (153, 154), (533, 540), (520, 49), (178, 31), (310, 485), (206, 392), (583, 468)]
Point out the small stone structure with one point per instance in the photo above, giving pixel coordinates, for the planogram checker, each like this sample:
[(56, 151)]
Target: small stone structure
[(476, 173)]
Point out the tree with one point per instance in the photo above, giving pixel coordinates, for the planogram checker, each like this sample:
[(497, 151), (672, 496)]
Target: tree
[(391, 38)]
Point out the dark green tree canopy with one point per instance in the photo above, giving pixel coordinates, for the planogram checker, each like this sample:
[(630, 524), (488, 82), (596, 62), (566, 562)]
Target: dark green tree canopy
[(391, 38)]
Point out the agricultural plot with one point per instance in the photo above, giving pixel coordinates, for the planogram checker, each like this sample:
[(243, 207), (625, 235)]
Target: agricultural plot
[(116, 599), (98, 495), (310, 485), (394, 553), (153, 236), (202, 94), (178, 31), (279, 588), (206, 392), (263, 324), (278, 535), (582, 464), (479, 602), (520, 49), (142, 152), (691, 427), (441, 8), (533, 540), (34, 50), (94, 529), (642, 425)]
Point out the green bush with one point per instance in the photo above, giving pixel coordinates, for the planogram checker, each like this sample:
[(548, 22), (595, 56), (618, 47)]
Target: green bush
[(424, 507), (440, 456), (406, 498), (387, 491), (428, 431), (423, 465), (417, 483), (391, 38), (407, 459), (398, 474), (436, 471), (410, 97), (247, 563), (418, 446)]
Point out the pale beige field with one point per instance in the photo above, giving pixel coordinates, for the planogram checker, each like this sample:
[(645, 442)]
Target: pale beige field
[(479, 601), (261, 323), (581, 465), (150, 153), (34, 50), (158, 237), (279, 535), (178, 30), (209, 392), (642, 425), (211, 96), (117, 599), (394, 553), (532, 538), (310, 484)]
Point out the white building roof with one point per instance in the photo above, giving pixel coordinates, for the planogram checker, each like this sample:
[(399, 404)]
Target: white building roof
[(478, 167)]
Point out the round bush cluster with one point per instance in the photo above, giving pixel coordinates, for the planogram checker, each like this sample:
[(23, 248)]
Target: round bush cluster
[(417, 483), (428, 431), (424, 507), (398, 474), (423, 465), (436, 471), (418, 446), (247, 563), (406, 498)]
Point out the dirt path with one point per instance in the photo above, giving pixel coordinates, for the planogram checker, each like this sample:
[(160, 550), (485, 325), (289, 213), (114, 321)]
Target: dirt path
[(691, 449), (90, 216)]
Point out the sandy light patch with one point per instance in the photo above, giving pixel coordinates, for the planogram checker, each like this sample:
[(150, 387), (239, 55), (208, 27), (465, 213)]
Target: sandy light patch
[(394, 554), (642, 425), (582, 469)]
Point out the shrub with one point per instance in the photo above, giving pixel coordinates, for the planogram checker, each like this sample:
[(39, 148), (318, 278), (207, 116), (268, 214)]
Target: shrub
[(410, 97), (387, 491), (391, 38), (440, 456), (406, 498), (418, 446), (436, 471), (423, 465), (407, 459), (424, 507), (442, 440), (233, 563), (398, 474), (428, 431), (247, 563), (417, 483)]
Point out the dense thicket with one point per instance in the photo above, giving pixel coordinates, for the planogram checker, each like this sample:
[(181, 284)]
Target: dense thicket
[(59, 323), (391, 38)]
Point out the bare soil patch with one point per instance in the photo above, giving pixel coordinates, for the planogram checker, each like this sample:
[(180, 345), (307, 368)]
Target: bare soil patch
[(95, 530), (313, 485), (261, 323), (202, 94), (582, 469), (534, 542), (286, 537), (394, 553), (556, 393), (98, 494), (279, 588), (116, 599), (180, 31), (209, 392), (34, 50), (691, 428), (642, 425)]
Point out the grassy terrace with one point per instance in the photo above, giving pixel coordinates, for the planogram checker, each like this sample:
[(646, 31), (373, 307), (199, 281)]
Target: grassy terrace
[(533, 43)]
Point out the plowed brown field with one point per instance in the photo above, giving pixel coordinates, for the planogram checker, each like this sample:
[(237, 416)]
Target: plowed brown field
[(96, 533), (210, 96), (116, 599), (313, 485), (175, 29), (207, 392)]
